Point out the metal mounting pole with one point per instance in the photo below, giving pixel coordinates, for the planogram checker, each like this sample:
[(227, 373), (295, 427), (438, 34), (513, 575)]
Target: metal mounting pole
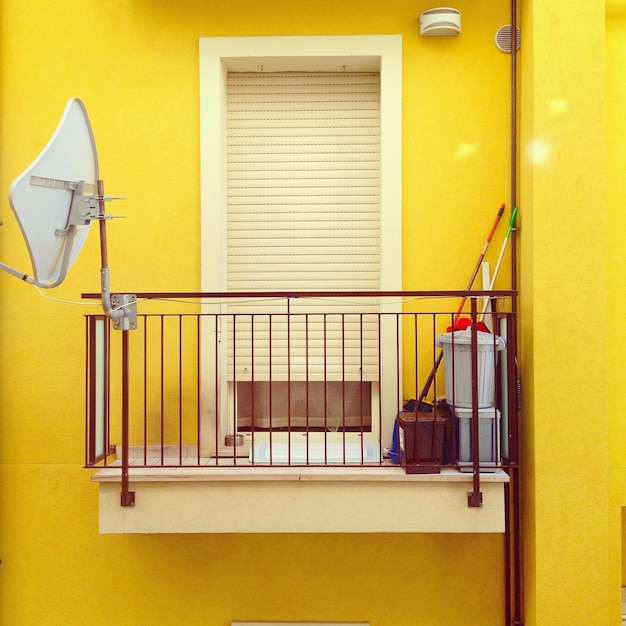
[(124, 316), (121, 308)]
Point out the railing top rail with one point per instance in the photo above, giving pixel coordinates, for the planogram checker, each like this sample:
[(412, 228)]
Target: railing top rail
[(506, 293)]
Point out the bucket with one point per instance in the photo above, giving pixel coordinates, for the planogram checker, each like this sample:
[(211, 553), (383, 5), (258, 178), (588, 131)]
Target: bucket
[(421, 439), (488, 439), (457, 361)]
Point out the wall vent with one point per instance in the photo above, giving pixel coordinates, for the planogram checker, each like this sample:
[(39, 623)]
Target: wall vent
[(504, 38)]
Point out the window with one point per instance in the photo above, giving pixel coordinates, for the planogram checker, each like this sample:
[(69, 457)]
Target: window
[(254, 198)]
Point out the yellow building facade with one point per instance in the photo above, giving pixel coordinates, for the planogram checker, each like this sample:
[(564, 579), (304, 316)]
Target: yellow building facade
[(135, 65)]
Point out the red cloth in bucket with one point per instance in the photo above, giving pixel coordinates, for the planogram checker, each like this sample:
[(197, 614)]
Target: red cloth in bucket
[(463, 323)]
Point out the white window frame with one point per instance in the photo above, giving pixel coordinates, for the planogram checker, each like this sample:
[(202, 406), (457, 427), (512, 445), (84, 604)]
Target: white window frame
[(220, 55)]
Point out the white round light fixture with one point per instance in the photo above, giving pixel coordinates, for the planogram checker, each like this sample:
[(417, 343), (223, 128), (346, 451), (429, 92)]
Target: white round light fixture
[(440, 21)]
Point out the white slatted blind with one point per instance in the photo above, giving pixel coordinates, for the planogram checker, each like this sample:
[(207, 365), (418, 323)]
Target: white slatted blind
[(303, 180), (304, 214)]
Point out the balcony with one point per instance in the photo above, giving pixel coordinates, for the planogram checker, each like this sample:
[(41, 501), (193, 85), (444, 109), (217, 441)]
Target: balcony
[(309, 412)]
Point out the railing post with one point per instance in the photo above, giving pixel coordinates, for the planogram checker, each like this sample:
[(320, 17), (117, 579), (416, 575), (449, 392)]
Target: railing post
[(127, 496), (475, 497)]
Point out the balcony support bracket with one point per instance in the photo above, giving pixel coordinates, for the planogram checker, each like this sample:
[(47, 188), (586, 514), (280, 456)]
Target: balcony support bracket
[(474, 499), (127, 498)]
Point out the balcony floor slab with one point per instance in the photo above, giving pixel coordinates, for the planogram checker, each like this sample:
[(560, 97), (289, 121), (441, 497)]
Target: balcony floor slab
[(298, 500)]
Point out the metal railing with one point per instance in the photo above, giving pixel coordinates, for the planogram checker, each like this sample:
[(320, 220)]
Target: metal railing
[(337, 379)]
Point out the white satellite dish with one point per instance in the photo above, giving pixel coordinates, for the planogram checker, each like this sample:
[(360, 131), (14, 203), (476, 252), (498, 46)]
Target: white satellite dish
[(54, 199)]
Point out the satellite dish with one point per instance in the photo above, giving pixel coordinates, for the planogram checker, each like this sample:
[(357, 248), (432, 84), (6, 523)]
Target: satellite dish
[(55, 199)]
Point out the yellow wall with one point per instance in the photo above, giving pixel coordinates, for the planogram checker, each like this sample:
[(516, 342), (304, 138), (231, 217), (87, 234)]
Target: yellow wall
[(616, 90), (568, 521), (135, 65)]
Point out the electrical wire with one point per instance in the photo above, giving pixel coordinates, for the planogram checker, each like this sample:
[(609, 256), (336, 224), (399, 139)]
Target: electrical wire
[(47, 297), (74, 302), (238, 302)]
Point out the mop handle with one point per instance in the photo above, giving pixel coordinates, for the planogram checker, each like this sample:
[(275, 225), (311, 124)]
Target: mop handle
[(431, 377), (481, 258), (497, 269)]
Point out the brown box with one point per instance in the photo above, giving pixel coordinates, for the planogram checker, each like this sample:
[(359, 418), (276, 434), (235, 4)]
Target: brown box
[(421, 440)]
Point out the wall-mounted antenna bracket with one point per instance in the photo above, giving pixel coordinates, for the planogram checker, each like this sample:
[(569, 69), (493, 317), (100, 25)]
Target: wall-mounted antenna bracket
[(84, 206), (128, 303)]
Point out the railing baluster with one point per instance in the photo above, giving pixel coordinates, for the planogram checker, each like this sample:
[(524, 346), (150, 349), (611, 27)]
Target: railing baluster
[(288, 321), (145, 391), (217, 324), (361, 408), (198, 392), (306, 385), (180, 391), (380, 378), (162, 392), (475, 498), (270, 384), (233, 425), (127, 497), (252, 379), (342, 317), (325, 391)]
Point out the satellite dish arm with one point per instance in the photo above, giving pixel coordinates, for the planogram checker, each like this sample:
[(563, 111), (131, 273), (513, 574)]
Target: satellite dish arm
[(67, 253), (65, 264), (18, 274), (105, 294)]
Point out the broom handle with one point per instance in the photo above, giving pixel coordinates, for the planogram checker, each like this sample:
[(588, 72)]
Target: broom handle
[(497, 269), (431, 377)]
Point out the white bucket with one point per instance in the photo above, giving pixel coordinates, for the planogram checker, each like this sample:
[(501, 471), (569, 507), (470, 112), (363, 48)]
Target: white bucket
[(488, 439), (457, 360)]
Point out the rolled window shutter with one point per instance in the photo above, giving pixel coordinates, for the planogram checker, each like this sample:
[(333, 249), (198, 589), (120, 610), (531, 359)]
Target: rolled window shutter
[(304, 214)]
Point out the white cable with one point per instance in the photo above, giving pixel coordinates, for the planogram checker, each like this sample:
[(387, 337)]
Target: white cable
[(47, 297), (59, 300)]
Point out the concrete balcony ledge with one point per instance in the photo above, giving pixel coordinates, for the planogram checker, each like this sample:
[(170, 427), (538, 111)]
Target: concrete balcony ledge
[(299, 500)]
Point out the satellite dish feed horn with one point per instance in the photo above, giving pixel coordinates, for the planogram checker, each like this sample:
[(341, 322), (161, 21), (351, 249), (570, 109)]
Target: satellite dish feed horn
[(54, 201)]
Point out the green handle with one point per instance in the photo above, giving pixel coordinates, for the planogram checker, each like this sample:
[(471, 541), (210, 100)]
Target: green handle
[(512, 221)]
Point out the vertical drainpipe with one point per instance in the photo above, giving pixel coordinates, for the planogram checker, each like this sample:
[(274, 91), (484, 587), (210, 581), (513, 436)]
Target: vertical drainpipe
[(515, 513)]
